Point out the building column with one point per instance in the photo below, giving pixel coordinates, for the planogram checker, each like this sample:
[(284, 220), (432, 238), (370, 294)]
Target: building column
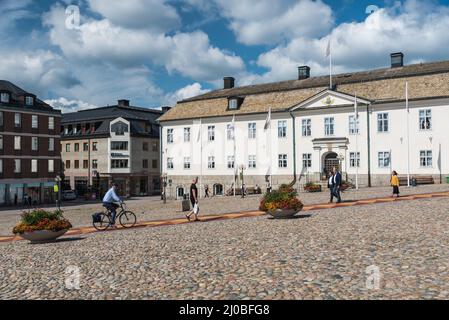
[(318, 150)]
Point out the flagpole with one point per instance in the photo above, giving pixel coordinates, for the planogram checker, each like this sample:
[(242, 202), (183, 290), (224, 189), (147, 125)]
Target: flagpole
[(233, 137), (330, 69), (408, 134), (356, 144), (201, 160)]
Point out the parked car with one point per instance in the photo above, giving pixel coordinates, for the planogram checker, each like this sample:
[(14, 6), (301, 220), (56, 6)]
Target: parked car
[(68, 195)]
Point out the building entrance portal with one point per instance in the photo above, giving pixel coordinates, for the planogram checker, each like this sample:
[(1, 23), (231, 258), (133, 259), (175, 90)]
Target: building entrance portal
[(330, 161)]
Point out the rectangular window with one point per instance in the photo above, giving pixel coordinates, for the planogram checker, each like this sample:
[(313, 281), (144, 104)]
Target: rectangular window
[(1, 165), (233, 104), (169, 135), (282, 129), (354, 160), (29, 101), (170, 163), (154, 147), (67, 164), (34, 166), (17, 165), (425, 119), (306, 160), (95, 164), (282, 161), (145, 163), (4, 98), (229, 132), (382, 122), (1, 118), (306, 127), (94, 146), (34, 121), (17, 143), (187, 163), (34, 143), (252, 130), (119, 164), (85, 164), (211, 163), (231, 162), (186, 134), (77, 164), (154, 163), (119, 145), (426, 158), (17, 120), (51, 144), (384, 159), (1, 142), (85, 146), (145, 146), (51, 123), (329, 126), (77, 147), (211, 133), (51, 165), (252, 162), (67, 147), (354, 126)]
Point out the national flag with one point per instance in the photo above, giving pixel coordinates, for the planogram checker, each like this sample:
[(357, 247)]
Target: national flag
[(328, 49)]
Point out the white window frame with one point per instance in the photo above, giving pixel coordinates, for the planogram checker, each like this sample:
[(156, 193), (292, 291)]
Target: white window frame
[(1, 165), (1, 118), (383, 122), (233, 104), (51, 144), (283, 161), (35, 121), (353, 159), (1, 142), (17, 120), (383, 159), (29, 101), (229, 132), (170, 138), (17, 166), (329, 126), (187, 134), (425, 119), (306, 127), (5, 97), (51, 123), (34, 144), (231, 162), (17, 143), (34, 165), (354, 125), (211, 162), (51, 165), (211, 133), (307, 160), (426, 158), (170, 165), (252, 162), (187, 163), (252, 130), (282, 129)]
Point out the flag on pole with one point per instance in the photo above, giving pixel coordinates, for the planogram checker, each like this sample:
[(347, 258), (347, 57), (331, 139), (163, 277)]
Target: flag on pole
[(268, 120), (328, 49), (408, 133), (329, 55), (199, 133), (356, 112)]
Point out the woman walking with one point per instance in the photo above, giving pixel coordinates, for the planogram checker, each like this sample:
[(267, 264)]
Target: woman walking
[(395, 184)]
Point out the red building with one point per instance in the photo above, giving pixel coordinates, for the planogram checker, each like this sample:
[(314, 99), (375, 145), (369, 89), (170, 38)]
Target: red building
[(30, 147)]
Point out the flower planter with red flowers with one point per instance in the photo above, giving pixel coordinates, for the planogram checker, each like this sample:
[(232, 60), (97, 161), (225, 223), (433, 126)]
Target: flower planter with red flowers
[(282, 203), (42, 226), (311, 187)]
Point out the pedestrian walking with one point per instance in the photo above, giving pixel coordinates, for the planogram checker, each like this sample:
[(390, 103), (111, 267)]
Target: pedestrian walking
[(206, 191), (330, 185), (243, 190), (337, 182), (394, 181), (194, 200)]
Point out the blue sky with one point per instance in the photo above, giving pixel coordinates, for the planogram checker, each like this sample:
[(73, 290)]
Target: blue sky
[(155, 52)]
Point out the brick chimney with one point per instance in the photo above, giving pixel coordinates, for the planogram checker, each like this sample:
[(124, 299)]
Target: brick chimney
[(397, 60), (123, 103), (228, 82)]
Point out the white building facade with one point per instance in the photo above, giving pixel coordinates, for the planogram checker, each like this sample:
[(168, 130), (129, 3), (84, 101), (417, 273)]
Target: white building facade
[(269, 135)]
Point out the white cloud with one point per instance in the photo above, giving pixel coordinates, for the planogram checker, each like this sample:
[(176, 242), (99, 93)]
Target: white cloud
[(101, 41), (417, 28), (155, 15), (271, 22), (189, 91), (67, 106)]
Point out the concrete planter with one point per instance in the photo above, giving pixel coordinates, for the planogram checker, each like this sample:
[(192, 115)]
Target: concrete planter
[(43, 235), (283, 214)]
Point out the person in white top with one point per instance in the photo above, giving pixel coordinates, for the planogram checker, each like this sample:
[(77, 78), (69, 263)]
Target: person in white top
[(109, 200)]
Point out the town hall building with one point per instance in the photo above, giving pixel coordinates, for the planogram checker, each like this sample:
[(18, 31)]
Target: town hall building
[(296, 131)]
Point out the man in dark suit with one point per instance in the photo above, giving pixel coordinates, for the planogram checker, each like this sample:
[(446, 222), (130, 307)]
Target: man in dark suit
[(337, 183)]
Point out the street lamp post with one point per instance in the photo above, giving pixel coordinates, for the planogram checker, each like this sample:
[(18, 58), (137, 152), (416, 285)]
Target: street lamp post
[(164, 187), (242, 168), (341, 158)]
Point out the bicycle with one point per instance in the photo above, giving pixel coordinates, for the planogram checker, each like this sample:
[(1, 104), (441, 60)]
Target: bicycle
[(103, 220)]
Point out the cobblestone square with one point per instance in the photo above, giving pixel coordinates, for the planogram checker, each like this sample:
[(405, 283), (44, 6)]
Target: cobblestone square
[(333, 254)]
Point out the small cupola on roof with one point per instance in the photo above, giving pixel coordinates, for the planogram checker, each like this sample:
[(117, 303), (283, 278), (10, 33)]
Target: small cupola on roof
[(397, 60), (303, 72), (228, 82), (123, 103)]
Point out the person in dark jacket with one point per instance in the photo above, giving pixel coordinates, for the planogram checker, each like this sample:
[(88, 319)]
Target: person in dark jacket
[(337, 183)]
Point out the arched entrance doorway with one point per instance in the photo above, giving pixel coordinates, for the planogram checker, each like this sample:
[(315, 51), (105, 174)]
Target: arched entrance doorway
[(330, 160), (179, 192), (218, 189)]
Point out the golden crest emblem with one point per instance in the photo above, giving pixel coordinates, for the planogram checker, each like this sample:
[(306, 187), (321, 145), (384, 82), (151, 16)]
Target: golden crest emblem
[(328, 101)]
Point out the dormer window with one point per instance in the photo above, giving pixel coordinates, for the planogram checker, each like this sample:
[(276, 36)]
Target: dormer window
[(234, 103), (29, 100), (4, 97)]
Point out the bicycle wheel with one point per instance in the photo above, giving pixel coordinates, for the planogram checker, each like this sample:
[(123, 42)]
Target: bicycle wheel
[(103, 223), (127, 219)]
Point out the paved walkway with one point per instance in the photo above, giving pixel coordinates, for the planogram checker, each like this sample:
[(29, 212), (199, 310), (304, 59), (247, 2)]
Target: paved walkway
[(208, 218)]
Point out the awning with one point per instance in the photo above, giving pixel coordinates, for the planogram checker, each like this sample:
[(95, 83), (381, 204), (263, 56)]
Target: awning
[(49, 184)]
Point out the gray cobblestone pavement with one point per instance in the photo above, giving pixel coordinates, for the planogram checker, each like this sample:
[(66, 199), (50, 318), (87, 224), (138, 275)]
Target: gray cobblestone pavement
[(148, 209), (324, 256)]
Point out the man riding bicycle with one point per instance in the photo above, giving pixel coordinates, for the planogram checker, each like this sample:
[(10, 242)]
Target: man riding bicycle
[(109, 200)]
